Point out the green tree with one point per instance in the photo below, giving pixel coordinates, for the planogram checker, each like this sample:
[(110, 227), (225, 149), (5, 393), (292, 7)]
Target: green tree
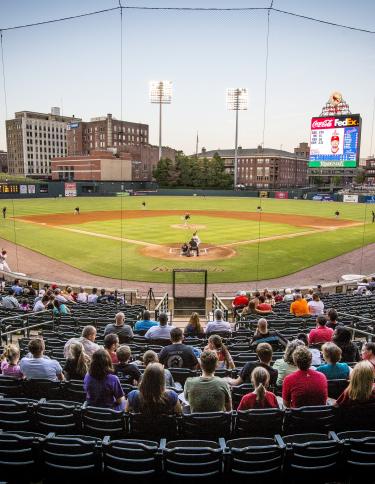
[(165, 173), (318, 181)]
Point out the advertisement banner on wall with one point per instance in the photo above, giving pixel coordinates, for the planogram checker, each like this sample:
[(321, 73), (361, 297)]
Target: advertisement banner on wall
[(370, 199), (350, 198), (70, 189), (31, 189), (282, 195), (23, 189)]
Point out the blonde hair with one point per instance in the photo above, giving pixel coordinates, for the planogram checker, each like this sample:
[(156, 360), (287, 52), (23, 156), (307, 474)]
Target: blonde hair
[(11, 353), (361, 382), (262, 327), (195, 322), (77, 352), (260, 379)]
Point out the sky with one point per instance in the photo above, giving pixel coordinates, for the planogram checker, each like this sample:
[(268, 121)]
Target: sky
[(76, 65)]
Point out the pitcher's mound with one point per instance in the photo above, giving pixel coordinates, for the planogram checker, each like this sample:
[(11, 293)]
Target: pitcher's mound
[(192, 227), (172, 252)]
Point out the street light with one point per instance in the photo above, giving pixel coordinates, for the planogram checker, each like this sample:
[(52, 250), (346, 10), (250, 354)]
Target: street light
[(236, 101), (160, 93)]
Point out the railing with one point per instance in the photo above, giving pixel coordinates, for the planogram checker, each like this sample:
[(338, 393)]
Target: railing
[(7, 329), (370, 336), (163, 306), (217, 303)]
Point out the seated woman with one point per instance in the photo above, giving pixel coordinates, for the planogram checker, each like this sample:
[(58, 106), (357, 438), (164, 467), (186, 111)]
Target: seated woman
[(215, 343), (261, 331), (361, 389), (260, 397), (285, 366), (152, 398), (77, 363), (368, 353), (342, 337), (251, 309), (151, 357), (194, 327), (102, 388), (59, 308), (111, 343), (333, 370)]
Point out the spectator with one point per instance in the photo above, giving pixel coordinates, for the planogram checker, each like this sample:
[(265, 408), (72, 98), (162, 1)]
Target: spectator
[(123, 331), (59, 308), (82, 296), (315, 353), (304, 387), (332, 319), (263, 305), (208, 393), (316, 306), (343, 339), (251, 309), (299, 306), (194, 327), (77, 363), (288, 295), (9, 301), (151, 357), (59, 296), (9, 362), (41, 304), (218, 325), (285, 366), (239, 302), (277, 296), (260, 397), (261, 331), (25, 306), (153, 398), (102, 388), (178, 355), (93, 297), (320, 334), (40, 295), (309, 295), (361, 389), (224, 359), (38, 366), (163, 331), (128, 372), (111, 343), (68, 294), (29, 290), (264, 353), (333, 370), (87, 339), (17, 288), (103, 298), (368, 353), (146, 323)]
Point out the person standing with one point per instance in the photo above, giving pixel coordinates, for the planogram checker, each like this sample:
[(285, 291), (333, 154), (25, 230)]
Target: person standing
[(373, 216), (76, 211), (3, 263), (5, 212)]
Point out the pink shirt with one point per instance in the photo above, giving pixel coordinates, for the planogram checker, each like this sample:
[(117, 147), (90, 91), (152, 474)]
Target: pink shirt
[(11, 370), (320, 335)]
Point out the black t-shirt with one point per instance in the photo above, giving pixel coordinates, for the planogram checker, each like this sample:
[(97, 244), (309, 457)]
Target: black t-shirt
[(249, 367), (128, 372), (178, 356)]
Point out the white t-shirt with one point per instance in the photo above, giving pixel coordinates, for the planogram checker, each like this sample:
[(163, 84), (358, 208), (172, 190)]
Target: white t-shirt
[(39, 306), (316, 307), (82, 297), (92, 298)]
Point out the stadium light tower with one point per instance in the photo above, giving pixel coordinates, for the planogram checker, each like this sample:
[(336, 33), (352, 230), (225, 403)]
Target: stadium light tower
[(160, 93), (236, 101)]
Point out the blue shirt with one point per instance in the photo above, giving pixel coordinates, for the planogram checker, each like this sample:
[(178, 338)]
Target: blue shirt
[(18, 290), (339, 371), (40, 368), (144, 325)]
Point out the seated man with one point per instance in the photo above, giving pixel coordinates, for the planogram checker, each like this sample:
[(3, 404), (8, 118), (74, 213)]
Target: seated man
[(145, 323), (299, 307), (218, 324), (321, 334), (38, 365), (239, 302), (162, 331), (208, 393), (178, 355)]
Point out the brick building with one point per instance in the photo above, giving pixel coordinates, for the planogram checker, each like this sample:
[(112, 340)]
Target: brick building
[(33, 139), (369, 171), (264, 168), (3, 161), (103, 133)]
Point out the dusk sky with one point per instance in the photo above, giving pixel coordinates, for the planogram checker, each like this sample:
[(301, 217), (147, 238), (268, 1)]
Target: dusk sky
[(76, 64)]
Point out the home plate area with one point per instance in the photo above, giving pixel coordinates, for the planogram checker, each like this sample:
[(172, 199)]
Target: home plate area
[(173, 252)]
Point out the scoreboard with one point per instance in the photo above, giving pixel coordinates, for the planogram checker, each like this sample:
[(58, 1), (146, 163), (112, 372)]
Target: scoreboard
[(7, 188)]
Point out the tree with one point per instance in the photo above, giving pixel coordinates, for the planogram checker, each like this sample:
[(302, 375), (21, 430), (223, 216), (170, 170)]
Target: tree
[(165, 173), (360, 177), (318, 181), (337, 180)]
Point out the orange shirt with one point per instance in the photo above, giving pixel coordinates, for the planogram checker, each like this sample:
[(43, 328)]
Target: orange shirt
[(299, 307)]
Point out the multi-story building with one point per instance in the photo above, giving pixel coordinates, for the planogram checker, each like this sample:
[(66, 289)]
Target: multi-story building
[(3, 161), (302, 151), (369, 171), (33, 139), (264, 168), (103, 133)]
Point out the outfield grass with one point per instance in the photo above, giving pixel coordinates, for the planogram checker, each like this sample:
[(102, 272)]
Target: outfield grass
[(112, 258)]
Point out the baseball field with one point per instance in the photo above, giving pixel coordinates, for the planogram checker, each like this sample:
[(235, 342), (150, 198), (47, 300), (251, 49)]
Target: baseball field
[(118, 237)]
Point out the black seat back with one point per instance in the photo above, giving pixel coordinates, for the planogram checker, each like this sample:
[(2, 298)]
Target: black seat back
[(319, 418), (60, 418), (210, 425), (259, 422), (152, 427), (100, 422)]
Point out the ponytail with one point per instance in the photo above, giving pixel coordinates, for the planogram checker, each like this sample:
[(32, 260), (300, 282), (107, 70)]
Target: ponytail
[(11, 352), (79, 355), (260, 392), (260, 379)]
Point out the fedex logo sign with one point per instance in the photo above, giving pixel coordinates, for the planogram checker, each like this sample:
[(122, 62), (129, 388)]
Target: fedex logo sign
[(339, 122)]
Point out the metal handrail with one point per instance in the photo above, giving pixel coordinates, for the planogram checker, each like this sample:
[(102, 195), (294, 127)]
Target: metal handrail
[(163, 306), (26, 315), (25, 326), (355, 316), (217, 303)]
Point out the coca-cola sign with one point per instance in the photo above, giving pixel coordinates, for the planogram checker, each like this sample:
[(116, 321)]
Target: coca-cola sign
[(322, 123)]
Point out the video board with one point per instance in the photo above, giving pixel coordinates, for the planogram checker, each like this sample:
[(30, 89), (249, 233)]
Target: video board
[(9, 188), (335, 141)]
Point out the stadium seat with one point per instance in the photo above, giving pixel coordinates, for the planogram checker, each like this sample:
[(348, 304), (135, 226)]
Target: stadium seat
[(259, 422), (309, 419), (99, 422), (17, 414), (239, 391), (155, 427), (357, 417), (73, 390), (257, 459), (193, 459), (336, 387), (130, 459), (180, 375), (210, 425), (58, 417), (11, 387), (40, 388)]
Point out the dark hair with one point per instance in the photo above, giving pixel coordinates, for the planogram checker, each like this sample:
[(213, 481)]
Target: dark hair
[(36, 346), (302, 358), (110, 340), (152, 394), (332, 314), (264, 351), (146, 315), (321, 320), (163, 319), (45, 298), (10, 292), (369, 346), (303, 337), (261, 299), (123, 353), (94, 290), (208, 361), (176, 335), (342, 336), (102, 292), (101, 365)]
